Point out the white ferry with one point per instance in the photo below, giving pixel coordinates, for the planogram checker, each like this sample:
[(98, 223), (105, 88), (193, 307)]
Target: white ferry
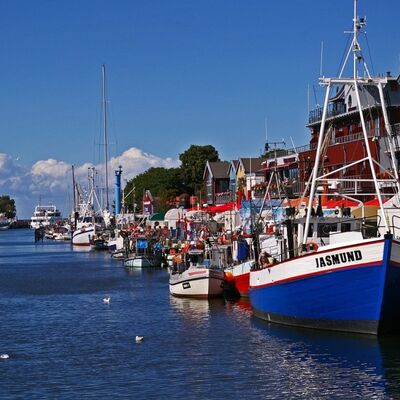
[(44, 216)]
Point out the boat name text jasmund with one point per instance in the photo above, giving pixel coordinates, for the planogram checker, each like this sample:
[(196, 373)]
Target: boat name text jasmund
[(340, 258)]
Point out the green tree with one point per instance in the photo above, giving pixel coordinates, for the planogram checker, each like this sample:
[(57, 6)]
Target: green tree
[(163, 184), (167, 183), (7, 206), (193, 163)]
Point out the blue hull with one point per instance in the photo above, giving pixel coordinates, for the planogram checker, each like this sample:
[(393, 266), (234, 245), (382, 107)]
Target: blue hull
[(363, 299)]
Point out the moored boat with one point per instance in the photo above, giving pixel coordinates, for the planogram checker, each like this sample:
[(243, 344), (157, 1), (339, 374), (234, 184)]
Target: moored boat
[(349, 287), (45, 215), (145, 254), (143, 261), (344, 274), (194, 276), (82, 235), (238, 276)]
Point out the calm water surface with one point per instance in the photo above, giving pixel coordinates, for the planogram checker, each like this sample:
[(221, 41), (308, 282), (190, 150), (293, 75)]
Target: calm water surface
[(65, 343)]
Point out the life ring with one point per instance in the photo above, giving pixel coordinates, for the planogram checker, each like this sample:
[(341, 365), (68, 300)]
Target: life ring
[(312, 246)]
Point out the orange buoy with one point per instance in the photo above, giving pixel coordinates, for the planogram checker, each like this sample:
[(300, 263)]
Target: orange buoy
[(228, 276)]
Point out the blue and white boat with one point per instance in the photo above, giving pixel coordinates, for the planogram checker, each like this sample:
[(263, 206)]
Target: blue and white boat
[(347, 287), (145, 256), (342, 273)]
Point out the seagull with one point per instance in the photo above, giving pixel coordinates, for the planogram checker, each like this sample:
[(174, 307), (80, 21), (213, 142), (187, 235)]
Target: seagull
[(139, 339), (4, 356), (106, 300)]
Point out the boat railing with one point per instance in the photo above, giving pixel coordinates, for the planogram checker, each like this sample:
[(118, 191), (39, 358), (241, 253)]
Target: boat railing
[(395, 227), (333, 110), (368, 226)]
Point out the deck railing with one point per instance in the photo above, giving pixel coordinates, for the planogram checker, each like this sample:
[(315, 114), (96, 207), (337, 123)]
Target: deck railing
[(333, 110)]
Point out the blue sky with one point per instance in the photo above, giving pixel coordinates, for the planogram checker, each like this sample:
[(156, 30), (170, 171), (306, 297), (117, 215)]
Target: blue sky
[(178, 73)]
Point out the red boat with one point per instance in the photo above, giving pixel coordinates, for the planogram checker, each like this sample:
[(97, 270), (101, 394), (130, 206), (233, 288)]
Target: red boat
[(238, 278)]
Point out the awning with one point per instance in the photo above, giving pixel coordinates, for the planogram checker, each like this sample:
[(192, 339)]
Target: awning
[(341, 203), (375, 202), (221, 208), (297, 202)]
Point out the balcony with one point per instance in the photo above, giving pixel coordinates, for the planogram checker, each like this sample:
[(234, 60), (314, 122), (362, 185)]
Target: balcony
[(333, 110), (223, 198)]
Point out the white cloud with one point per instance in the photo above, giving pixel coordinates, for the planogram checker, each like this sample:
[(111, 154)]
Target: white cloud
[(50, 181), (134, 161)]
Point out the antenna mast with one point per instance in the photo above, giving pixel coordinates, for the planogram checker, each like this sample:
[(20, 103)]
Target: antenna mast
[(104, 103)]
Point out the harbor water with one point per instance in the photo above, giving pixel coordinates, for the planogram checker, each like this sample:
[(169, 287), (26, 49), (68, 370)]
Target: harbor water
[(64, 342)]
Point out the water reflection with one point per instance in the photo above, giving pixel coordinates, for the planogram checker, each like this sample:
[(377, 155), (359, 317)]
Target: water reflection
[(331, 362), (241, 304), (81, 249), (191, 308), (196, 309)]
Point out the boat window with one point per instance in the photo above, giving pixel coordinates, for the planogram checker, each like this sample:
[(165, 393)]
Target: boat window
[(196, 258), (345, 227), (325, 229)]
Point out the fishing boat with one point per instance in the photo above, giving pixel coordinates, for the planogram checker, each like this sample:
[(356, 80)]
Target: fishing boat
[(237, 278), (45, 215), (237, 275), (86, 218), (195, 276), (143, 261), (145, 255), (343, 273), (82, 235)]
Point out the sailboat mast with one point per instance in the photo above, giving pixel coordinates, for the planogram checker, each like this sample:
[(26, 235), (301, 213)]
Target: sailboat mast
[(104, 103), (73, 187)]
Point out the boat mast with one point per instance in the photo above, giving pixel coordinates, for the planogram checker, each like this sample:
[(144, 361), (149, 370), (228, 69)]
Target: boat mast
[(357, 56), (104, 104), (356, 81), (73, 187)]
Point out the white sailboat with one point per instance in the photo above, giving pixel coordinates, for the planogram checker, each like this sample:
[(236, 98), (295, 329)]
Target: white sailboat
[(90, 221)]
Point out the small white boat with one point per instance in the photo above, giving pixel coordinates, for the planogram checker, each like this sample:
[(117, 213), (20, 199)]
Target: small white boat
[(143, 261), (82, 235), (119, 254), (196, 278), (146, 255)]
